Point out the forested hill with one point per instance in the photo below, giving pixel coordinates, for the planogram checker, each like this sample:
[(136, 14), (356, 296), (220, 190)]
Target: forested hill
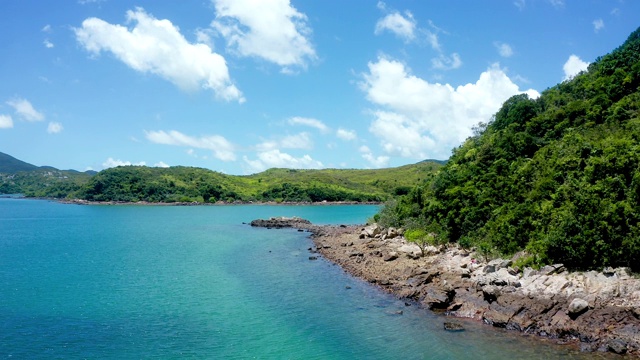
[(188, 184), (557, 176)]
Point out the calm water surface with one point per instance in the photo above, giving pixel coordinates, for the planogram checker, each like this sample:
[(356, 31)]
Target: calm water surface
[(131, 282)]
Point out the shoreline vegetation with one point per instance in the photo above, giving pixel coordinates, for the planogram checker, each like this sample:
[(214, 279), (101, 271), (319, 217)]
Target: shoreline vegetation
[(218, 203), (590, 311)]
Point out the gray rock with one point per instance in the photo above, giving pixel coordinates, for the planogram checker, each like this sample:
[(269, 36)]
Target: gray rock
[(391, 256), (453, 326), (490, 268), (577, 307), (617, 346)]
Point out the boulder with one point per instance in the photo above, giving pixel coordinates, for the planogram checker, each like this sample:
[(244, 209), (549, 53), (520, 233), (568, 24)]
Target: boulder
[(391, 256), (617, 346), (453, 326), (577, 307)]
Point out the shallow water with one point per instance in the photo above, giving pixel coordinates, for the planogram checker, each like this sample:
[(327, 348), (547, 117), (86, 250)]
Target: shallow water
[(195, 282)]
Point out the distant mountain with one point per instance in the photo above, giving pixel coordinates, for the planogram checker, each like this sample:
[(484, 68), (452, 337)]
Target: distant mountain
[(11, 165)]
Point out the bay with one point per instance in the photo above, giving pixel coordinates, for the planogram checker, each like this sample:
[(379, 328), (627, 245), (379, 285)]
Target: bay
[(133, 282)]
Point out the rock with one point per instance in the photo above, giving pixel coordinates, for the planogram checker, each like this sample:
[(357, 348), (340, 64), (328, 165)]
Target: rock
[(411, 249), (391, 256), (437, 298), (355, 253), (552, 269), (392, 233), (608, 271), (372, 230), (490, 293), (489, 269), (617, 346), (577, 307), (313, 258), (453, 326), (281, 222)]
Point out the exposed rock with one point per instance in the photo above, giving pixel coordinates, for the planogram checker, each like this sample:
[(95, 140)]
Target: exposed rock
[(453, 326), (617, 346), (577, 307), (391, 256), (281, 222)]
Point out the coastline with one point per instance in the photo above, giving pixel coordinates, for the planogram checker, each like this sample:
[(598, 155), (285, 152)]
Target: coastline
[(593, 311), (195, 203)]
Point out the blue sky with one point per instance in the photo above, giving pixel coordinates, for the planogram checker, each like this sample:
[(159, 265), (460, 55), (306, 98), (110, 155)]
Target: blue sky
[(240, 86)]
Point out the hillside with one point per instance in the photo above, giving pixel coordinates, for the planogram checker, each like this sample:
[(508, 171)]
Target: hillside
[(557, 176), (188, 184), (11, 165)]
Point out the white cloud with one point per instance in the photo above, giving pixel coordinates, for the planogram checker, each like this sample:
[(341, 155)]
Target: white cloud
[(6, 122), (443, 62), (161, 164), (25, 110), (111, 162), (222, 149), (157, 47), (598, 25), (417, 119), (520, 4), (314, 123), (345, 134), (375, 161), (54, 127), (298, 141), (504, 49), (272, 30), (46, 28), (402, 26), (276, 159), (48, 44), (573, 67)]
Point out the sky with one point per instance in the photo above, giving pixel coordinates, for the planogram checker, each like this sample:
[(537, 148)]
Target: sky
[(241, 86)]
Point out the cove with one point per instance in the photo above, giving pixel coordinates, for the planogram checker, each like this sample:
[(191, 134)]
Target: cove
[(130, 282)]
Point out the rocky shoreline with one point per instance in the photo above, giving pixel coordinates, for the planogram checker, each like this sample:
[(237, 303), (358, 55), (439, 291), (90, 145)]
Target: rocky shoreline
[(596, 311)]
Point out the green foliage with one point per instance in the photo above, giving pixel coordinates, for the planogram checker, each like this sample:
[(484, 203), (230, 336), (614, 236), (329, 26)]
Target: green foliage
[(187, 184), (558, 176)]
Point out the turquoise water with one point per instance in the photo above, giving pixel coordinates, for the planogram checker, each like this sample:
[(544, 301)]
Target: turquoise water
[(131, 282)]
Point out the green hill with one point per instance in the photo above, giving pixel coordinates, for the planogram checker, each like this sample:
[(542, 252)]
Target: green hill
[(558, 176), (187, 184), (11, 165)]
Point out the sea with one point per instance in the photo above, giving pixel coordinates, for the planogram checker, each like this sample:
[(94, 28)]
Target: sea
[(197, 282)]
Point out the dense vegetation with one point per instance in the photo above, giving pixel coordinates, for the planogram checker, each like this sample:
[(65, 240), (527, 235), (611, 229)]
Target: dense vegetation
[(557, 176), (187, 184)]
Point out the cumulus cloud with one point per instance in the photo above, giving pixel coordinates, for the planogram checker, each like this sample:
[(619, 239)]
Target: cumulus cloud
[(403, 26), (573, 67), (111, 162), (375, 161), (48, 44), (222, 149), (272, 30), (276, 159), (598, 25), (504, 49), (157, 47), (54, 127), (25, 110), (6, 122), (161, 164), (345, 134), (314, 123), (417, 119)]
